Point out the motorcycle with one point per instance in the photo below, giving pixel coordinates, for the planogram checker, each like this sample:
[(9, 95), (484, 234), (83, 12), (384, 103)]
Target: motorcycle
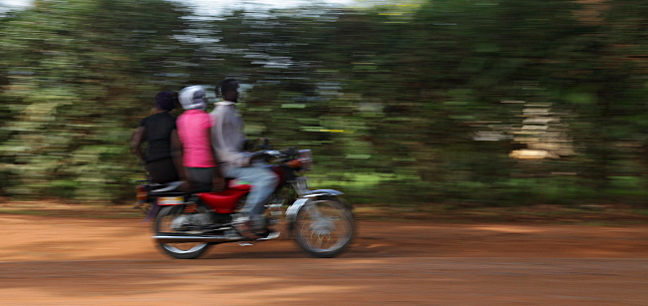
[(186, 225)]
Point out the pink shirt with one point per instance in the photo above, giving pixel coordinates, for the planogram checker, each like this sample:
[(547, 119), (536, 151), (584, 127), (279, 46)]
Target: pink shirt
[(193, 129)]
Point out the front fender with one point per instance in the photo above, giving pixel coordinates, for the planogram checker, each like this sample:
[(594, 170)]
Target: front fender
[(293, 210), (323, 192), (291, 213)]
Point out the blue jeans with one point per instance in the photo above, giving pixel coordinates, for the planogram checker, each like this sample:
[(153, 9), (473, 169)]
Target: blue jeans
[(263, 182)]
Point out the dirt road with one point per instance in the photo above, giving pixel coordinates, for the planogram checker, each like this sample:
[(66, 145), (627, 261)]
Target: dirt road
[(71, 261)]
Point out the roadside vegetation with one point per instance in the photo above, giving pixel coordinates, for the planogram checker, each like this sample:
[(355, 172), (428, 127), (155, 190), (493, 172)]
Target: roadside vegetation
[(429, 106)]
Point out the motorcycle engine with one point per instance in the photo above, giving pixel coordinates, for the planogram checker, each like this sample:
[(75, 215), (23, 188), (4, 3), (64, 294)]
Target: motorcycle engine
[(189, 221)]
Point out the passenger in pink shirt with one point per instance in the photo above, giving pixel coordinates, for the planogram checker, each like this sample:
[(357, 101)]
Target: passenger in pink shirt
[(194, 131)]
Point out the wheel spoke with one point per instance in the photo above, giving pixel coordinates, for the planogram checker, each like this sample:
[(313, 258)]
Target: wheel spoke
[(324, 227), (168, 223)]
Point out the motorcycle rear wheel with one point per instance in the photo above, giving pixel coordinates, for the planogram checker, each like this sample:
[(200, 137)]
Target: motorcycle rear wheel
[(324, 228), (162, 226)]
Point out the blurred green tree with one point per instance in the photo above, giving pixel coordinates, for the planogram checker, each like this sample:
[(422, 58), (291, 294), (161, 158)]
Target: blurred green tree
[(418, 102), (78, 77)]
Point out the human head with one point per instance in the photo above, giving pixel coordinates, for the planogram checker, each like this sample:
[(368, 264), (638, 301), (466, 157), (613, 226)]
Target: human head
[(229, 89), (193, 97), (166, 100)]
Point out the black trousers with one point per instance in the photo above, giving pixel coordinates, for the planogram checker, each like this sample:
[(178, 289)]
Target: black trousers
[(162, 171)]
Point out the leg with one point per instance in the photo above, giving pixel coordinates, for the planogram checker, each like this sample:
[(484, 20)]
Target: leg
[(263, 182), (162, 171), (200, 179)]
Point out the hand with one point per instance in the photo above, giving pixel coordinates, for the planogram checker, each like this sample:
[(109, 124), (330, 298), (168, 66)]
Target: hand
[(264, 143), (289, 152), (258, 156), (218, 184), (186, 186)]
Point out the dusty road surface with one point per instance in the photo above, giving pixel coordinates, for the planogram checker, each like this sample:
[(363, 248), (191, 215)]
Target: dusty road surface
[(72, 261)]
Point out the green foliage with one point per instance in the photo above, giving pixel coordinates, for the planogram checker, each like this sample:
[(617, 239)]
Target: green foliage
[(79, 76), (402, 104)]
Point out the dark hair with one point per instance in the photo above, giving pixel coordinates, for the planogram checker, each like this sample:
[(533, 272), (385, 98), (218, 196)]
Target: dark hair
[(226, 85), (166, 100)]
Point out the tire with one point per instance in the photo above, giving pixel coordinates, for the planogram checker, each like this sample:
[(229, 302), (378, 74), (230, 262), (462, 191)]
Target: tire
[(324, 227), (162, 226)]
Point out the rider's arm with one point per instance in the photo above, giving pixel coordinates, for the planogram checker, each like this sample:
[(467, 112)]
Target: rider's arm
[(176, 154), (136, 142), (218, 181)]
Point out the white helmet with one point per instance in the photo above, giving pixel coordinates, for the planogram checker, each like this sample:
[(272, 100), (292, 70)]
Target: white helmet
[(193, 97)]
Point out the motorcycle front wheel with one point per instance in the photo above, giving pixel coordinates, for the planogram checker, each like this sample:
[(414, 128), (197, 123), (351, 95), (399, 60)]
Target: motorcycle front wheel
[(324, 227), (165, 224)]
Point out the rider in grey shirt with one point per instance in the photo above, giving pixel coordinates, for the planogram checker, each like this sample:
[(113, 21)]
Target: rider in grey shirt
[(229, 141), (228, 133)]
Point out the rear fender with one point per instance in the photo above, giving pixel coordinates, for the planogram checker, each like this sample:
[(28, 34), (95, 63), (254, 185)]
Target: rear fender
[(162, 201)]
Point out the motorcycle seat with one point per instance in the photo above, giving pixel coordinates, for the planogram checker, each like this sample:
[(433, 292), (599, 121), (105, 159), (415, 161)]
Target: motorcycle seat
[(224, 202)]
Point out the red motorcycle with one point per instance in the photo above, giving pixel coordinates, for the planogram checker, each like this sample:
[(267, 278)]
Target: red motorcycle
[(186, 225)]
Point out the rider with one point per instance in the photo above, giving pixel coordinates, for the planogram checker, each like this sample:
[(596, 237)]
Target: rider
[(159, 131), (194, 129), (229, 142)]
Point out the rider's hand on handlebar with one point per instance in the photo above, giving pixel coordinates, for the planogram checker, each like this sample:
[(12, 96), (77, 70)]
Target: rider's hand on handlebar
[(261, 143), (264, 144), (289, 151), (257, 156)]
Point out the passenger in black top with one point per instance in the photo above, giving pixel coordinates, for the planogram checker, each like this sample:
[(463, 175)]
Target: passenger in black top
[(163, 154)]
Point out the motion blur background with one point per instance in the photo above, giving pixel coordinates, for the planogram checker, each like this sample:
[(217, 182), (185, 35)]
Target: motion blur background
[(403, 102)]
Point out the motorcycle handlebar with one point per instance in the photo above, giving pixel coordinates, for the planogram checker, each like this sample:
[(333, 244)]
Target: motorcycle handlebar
[(275, 153)]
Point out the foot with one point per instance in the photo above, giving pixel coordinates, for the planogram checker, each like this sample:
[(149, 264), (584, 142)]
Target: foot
[(250, 226)]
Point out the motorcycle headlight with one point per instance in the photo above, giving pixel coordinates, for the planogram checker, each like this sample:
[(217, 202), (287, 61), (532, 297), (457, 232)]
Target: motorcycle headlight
[(306, 159)]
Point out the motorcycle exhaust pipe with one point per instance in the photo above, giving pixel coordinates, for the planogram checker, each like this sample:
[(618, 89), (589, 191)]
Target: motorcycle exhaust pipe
[(180, 239)]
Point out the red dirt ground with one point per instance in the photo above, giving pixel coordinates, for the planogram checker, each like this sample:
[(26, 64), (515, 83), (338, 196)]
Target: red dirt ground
[(80, 261)]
